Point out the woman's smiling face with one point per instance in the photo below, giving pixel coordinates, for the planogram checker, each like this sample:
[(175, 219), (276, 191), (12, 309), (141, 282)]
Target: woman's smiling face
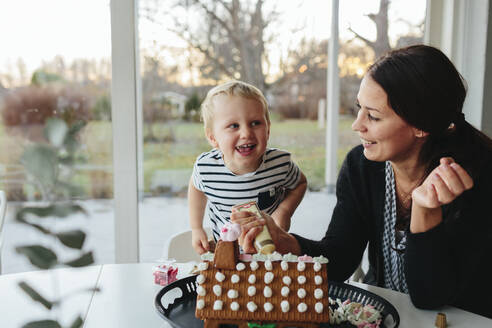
[(384, 135)]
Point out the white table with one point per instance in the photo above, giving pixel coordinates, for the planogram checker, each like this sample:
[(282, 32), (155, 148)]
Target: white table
[(127, 299)]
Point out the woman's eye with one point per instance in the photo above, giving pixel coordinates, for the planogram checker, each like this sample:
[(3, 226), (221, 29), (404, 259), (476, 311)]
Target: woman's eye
[(372, 118), (255, 123), (357, 105)]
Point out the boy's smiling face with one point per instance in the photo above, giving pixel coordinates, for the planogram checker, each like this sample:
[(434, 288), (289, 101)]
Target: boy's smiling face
[(240, 130)]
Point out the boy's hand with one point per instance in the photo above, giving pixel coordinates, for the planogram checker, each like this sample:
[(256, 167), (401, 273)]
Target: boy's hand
[(199, 240)]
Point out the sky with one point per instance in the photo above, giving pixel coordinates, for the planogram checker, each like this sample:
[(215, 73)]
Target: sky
[(39, 30)]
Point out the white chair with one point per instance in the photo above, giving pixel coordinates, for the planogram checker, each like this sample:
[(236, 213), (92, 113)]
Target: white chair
[(179, 247), (3, 210)]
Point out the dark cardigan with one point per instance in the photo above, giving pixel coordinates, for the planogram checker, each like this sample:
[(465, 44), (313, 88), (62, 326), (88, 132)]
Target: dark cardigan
[(449, 264)]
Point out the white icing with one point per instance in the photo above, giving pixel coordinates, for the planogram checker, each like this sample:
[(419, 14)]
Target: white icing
[(259, 257), (252, 279), (268, 265), (200, 304), (285, 291), (234, 278), (219, 276), (200, 279), (301, 280), (321, 259), (251, 306), (217, 290), (218, 305), (317, 266), (269, 277), (234, 306), (232, 293), (268, 307), (284, 265), (201, 291), (275, 256), (318, 280), (208, 256), (287, 280), (302, 307), (240, 266), (318, 293), (253, 265), (284, 305), (301, 266), (301, 293), (289, 257), (318, 307), (267, 292), (202, 266), (251, 290)]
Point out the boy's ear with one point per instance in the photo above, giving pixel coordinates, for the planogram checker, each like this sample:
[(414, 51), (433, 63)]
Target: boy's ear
[(211, 139)]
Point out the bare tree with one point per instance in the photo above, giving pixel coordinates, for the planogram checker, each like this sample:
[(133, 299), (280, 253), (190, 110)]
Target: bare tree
[(230, 35)]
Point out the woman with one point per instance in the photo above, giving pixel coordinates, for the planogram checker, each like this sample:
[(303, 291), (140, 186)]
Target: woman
[(416, 189)]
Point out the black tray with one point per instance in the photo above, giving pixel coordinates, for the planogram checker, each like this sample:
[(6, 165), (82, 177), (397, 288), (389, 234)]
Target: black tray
[(176, 303)]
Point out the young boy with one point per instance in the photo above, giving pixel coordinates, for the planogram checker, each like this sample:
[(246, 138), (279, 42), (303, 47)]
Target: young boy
[(240, 168)]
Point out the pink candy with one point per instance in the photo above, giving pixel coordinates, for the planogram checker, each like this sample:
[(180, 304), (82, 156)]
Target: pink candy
[(230, 231), (165, 274), (305, 258)]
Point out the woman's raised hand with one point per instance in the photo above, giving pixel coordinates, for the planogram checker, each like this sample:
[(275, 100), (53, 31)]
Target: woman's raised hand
[(443, 185), (251, 226)]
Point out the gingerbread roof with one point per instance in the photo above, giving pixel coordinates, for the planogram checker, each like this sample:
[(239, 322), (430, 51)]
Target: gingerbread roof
[(225, 293)]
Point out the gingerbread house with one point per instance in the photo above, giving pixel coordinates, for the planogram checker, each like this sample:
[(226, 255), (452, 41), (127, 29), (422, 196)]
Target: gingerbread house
[(261, 290)]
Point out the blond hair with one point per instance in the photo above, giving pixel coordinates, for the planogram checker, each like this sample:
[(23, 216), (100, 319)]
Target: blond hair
[(231, 88)]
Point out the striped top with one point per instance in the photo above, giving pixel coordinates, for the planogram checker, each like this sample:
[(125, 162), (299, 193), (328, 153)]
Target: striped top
[(224, 189)]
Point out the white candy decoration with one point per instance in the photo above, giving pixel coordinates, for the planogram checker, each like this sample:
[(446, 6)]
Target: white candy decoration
[(234, 306), (285, 291), (318, 280), (284, 305), (217, 290), (268, 307), (251, 290), (201, 291), (254, 265), (267, 292), (200, 304), (202, 266), (301, 293), (301, 266), (251, 306), (302, 307), (284, 265), (234, 278), (301, 280), (200, 279), (318, 307), (269, 277), (232, 293), (318, 293), (218, 305), (240, 267), (252, 279), (268, 265), (286, 280), (219, 276), (317, 266)]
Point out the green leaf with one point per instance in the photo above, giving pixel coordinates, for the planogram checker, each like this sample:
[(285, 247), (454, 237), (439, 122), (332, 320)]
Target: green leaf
[(72, 238), (78, 322), (55, 131), (35, 295), (41, 257), (57, 210), (41, 162), (84, 260), (42, 324), (34, 225)]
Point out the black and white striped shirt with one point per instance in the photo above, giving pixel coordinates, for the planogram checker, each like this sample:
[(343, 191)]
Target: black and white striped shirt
[(224, 189)]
